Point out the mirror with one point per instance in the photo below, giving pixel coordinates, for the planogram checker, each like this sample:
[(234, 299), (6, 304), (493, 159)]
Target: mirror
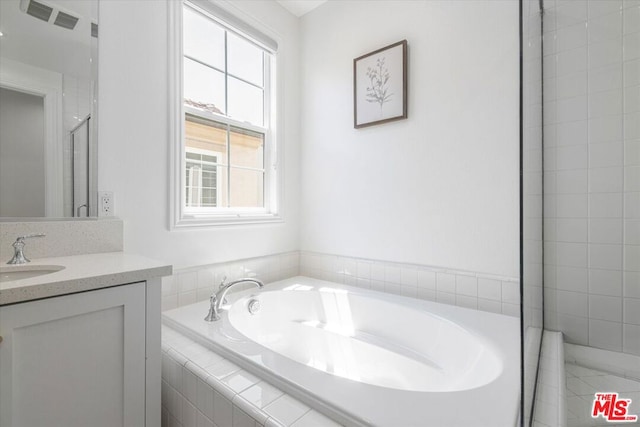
[(48, 92)]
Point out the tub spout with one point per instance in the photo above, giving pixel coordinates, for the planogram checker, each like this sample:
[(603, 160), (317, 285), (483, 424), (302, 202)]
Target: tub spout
[(217, 298)]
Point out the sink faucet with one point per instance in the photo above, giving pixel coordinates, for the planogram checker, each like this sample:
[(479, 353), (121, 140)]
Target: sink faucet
[(18, 246), (217, 299)]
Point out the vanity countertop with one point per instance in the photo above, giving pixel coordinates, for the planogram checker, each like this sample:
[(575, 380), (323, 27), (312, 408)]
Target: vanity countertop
[(80, 273)]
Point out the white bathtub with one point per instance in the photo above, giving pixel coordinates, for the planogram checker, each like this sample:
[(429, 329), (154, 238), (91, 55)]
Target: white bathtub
[(369, 358)]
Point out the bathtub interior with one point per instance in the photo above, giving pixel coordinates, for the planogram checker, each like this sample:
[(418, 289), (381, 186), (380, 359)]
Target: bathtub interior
[(471, 356), (367, 339)]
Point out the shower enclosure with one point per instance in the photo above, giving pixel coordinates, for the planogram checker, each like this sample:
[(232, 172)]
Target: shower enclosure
[(80, 169), (580, 186), (531, 200)]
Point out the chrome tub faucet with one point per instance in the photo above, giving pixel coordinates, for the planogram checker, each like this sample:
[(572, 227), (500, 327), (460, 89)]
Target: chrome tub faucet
[(217, 298)]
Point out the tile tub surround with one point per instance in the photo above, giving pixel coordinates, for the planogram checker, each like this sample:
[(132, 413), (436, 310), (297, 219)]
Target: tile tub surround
[(190, 285), (63, 238), (479, 291), (201, 388)]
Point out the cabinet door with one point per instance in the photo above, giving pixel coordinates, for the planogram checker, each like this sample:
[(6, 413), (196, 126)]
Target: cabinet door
[(75, 360)]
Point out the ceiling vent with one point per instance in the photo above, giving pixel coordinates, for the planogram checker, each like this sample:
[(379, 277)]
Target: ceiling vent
[(94, 30), (37, 10), (45, 12), (65, 20)]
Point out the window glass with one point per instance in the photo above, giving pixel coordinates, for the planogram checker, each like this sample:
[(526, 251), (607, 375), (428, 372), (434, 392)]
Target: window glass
[(247, 148), (247, 188), (245, 60), (223, 186), (203, 87), (202, 40), (206, 136), (245, 102), (201, 180)]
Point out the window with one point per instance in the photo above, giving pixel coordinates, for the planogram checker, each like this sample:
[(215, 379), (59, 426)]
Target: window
[(201, 180), (224, 170)]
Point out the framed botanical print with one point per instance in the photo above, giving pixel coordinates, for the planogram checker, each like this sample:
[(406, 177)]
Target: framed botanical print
[(380, 86)]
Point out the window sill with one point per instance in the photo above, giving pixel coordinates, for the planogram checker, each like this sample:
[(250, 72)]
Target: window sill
[(223, 220)]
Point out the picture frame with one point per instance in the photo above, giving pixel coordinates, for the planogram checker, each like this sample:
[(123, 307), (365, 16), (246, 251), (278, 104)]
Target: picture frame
[(380, 86)]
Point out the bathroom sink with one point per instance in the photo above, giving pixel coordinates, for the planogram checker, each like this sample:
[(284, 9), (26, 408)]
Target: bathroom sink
[(8, 274)]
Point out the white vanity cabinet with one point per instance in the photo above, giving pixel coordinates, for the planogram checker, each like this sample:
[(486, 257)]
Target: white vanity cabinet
[(85, 359)]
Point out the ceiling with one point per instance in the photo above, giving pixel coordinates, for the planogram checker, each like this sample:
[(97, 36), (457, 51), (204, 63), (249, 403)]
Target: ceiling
[(300, 7), (41, 44)]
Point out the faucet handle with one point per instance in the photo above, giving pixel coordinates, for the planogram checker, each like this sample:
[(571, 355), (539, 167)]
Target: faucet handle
[(29, 236), (213, 315)]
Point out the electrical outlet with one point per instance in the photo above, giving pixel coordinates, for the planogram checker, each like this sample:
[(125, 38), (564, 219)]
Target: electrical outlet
[(106, 203)]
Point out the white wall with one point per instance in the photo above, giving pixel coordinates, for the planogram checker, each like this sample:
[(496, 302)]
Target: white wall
[(440, 188), (133, 141), (22, 168)]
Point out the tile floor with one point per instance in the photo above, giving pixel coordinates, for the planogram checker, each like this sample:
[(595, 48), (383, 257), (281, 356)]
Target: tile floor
[(583, 383)]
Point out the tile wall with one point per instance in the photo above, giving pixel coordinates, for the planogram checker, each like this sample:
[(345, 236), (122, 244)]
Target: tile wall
[(463, 288), (592, 172), (189, 285)]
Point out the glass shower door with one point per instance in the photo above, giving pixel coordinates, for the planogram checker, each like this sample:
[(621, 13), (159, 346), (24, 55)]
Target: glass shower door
[(80, 144), (531, 199)]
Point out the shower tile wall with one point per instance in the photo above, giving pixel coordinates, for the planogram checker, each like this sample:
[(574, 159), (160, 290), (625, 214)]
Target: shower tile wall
[(592, 172)]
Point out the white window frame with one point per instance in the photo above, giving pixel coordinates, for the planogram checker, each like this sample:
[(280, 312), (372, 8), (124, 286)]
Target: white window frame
[(206, 153), (179, 215)]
